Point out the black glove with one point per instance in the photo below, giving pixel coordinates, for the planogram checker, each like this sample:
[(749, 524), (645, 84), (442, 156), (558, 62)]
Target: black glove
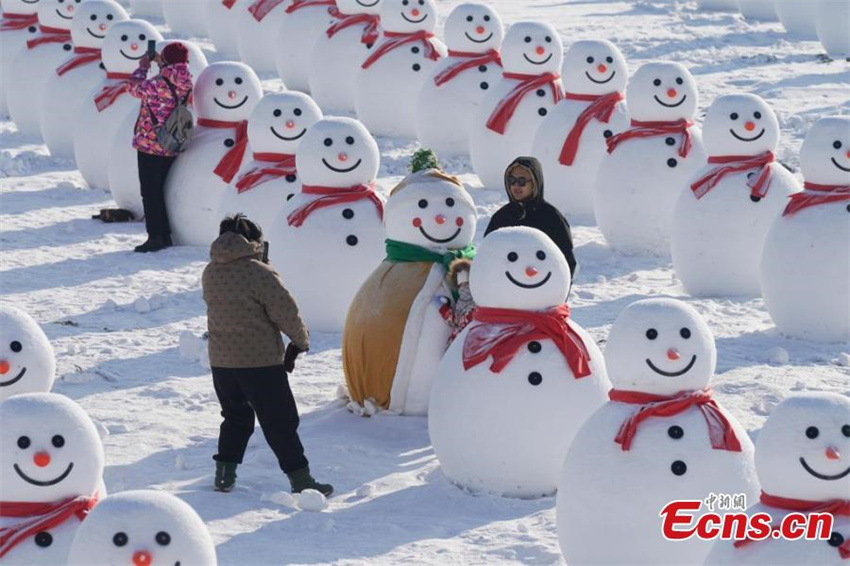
[(292, 352)]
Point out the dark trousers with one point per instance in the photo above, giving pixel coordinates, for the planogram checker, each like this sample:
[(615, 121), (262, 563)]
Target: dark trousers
[(263, 392), (153, 170)]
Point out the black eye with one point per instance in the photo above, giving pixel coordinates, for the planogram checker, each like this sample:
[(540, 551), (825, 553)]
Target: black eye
[(142, 37), (541, 255), (219, 82), (679, 81), (238, 80), (513, 256), (657, 82), (109, 17), (548, 39), (812, 432), (16, 346), (120, 539), (24, 442), (297, 112), (423, 203), (609, 59), (685, 333), (349, 140), (733, 116), (277, 113), (163, 538), (528, 39), (590, 59), (124, 38), (845, 430), (405, 2), (450, 201), (836, 144), (486, 18), (328, 142), (61, 1), (421, 2), (93, 17), (58, 441), (468, 18), (652, 334), (757, 115)]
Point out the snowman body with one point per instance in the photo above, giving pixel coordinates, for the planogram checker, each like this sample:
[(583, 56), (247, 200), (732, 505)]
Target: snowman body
[(27, 360), (830, 19), (186, 18), (760, 10), (23, 21), (798, 18), (300, 27), (146, 8), (222, 18), (254, 36)]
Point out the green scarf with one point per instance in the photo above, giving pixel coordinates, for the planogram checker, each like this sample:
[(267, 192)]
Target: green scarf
[(407, 253)]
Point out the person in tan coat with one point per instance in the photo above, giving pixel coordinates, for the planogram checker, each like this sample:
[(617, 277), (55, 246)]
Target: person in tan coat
[(247, 310)]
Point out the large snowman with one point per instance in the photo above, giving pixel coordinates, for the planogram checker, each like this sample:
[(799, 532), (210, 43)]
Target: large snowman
[(802, 464), (394, 335), (570, 143), (458, 83), (518, 383), (806, 256), (328, 238), (661, 438), (303, 22), (146, 8), (830, 19), (69, 87), (721, 219), (515, 104), (108, 105), (186, 17), (798, 17), (341, 50), (224, 95), (32, 67), (144, 528), (266, 182), (27, 361), (389, 80), (649, 165), (256, 29), (222, 17), (51, 463), (18, 23)]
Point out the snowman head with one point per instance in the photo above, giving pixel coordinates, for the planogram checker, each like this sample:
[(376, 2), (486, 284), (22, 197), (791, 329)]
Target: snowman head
[(359, 6), (227, 91), (126, 42), (57, 13), (803, 450), (279, 121), (142, 527), (432, 210), (93, 20), (519, 268), (27, 361), (49, 449), (660, 346), (197, 60), (825, 155), (337, 152), (408, 16), (740, 124), (662, 92), (532, 48), (19, 6), (594, 66), (474, 28)]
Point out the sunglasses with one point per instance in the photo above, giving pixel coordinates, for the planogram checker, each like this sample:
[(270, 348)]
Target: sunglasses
[(518, 181)]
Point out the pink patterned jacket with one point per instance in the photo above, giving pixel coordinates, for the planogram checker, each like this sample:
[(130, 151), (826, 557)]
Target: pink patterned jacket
[(157, 101)]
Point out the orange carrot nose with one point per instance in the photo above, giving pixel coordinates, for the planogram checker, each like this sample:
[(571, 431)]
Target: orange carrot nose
[(290, 124), (749, 126), (415, 12), (832, 453), (41, 459), (540, 50), (142, 558), (531, 271), (231, 94), (673, 354), (479, 30), (440, 219), (134, 46), (4, 367), (671, 92), (601, 68), (342, 156)]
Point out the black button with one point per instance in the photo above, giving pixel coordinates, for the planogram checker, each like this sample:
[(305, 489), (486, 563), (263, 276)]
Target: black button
[(534, 347), (348, 214), (43, 539), (67, 47), (535, 378), (755, 198), (848, 208), (672, 162), (670, 141), (542, 111), (289, 196), (482, 68), (414, 49), (291, 178), (679, 468), (836, 539), (369, 45), (416, 66), (229, 142), (351, 240), (32, 29), (541, 92), (102, 66), (607, 134), (675, 432), (120, 539), (484, 86)]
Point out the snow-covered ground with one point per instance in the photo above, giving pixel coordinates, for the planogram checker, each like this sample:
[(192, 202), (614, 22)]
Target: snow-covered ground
[(116, 319)]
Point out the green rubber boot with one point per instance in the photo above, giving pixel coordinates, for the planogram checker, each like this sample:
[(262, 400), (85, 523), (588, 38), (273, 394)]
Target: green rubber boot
[(225, 476), (301, 480)]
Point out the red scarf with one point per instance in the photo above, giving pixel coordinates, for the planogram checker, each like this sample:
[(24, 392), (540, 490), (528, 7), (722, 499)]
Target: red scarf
[(49, 35), (370, 21), (839, 507), (333, 196), (16, 22), (504, 331), (283, 164), (504, 111), (84, 56), (37, 517), (815, 195), (735, 164), (601, 108), (232, 160), (467, 61), (228, 3), (298, 4), (720, 431), (261, 8), (110, 93), (395, 40), (654, 129)]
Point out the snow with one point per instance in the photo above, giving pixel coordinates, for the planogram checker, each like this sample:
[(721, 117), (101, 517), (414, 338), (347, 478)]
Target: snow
[(79, 279)]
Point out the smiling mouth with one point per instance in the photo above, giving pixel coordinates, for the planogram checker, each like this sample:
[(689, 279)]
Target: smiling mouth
[(284, 138), (600, 82), (121, 51), (437, 240), (743, 139), (64, 17), (336, 170), (473, 40), (543, 62), (834, 162), (659, 101), (672, 373), (823, 476), (235, 106), (365, 5), (14, 380), (419, 21), (29, 480), (93, 34), (528, 285)]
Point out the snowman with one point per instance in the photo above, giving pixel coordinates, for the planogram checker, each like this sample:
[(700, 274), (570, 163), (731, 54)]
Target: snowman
[(394, 335), (521, 379), (108, 105), (69, 87), (146, 8), (761, 10), (276, 127), (224, 95), (185, 17), (720, 224), (802, 464), (256, 28), (341, 50), (661, 438), (327, 239), (222, 16), (806, 256), (27, 361), (51, 463), (648, 166), (719, 5), (516, 103), (389, 80), (303, 22), (831, 24), (143, 527), (123, 163), (18, 23), (32, 67), (798, 18), (458, 83), (570, 142)]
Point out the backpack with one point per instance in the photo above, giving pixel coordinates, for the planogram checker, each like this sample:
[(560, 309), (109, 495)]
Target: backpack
[(175, 133)]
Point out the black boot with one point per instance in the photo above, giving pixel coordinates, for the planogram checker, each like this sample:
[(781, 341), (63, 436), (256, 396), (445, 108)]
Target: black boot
[(225, 476), (154, 244), (301, 480)]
